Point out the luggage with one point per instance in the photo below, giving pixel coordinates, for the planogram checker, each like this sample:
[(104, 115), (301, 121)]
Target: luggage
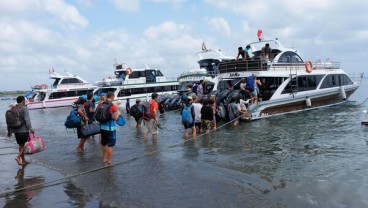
[(73, 120), (35, 144), (13, 117), (90, 129), (186, 116), (121, 121), (103, 113)]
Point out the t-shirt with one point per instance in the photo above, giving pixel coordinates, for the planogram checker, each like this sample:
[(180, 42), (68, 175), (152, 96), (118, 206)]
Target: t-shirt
[(242, 53), (91, 116), (110, 125), (207, 113), (200, 90), (266, 51), (242, 86), (153, 108), (197, 112)]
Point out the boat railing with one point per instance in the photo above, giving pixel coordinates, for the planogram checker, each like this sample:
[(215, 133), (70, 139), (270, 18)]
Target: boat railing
[(70, 86), (238, 66), (198, 74)]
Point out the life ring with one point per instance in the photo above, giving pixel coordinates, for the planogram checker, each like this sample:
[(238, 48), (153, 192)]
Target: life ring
[(36, 87), (128, 71), (308, 66), (43, 86)]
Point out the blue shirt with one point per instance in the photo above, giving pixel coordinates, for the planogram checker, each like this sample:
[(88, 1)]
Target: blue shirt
[(109, 126)]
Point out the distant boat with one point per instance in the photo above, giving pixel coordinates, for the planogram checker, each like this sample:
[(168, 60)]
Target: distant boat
[(5, 98), (65, 90)]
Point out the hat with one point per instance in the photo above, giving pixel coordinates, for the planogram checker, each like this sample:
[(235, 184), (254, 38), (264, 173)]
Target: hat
[(137, 100), (102, 94), (189, 98)]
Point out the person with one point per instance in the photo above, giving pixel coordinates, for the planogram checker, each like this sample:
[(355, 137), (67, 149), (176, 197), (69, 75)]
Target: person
[(243, 88), (229, 85), (136, 111), (200, 89), (188, 125), (102, 98), (242, 109), (21, 133), (127, 106), (214, 108), (90, 108), (207, 116), (247, 52), (197, 113), (194, 89), (151, 123), (254, 93), (82, 104), (233, 112), (108, 130), (241, 52), (257, 85), (266, 52)]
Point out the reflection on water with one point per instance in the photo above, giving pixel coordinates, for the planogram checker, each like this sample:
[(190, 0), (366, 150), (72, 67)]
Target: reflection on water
[(309, 159)]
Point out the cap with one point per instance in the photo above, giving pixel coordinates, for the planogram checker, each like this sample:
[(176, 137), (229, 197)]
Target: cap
[(102, 94), (189, 98)]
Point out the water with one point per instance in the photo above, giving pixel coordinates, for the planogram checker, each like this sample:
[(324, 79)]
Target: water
[(309, 159)]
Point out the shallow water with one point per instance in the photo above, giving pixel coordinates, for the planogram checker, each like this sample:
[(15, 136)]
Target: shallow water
[(310, 159)]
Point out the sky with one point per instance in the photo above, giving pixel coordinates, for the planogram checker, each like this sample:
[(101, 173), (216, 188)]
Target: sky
[(86, 37)]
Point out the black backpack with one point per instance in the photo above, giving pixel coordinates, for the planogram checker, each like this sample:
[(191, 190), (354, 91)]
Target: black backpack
[(13, 117), (103, 113), (135, 112)]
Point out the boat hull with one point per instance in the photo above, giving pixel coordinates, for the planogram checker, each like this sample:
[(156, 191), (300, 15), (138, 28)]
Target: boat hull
[(55, 103)]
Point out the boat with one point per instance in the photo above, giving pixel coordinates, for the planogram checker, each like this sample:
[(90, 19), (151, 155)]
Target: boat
[(208, 61), (289, 83), (65, 90), (133, 83)]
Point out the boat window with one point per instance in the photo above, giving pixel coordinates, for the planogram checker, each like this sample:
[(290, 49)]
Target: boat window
[(121, 93), (71, 93), (159, 74), (56, 82), (134, 75), (222, 85), (304, 83), (104, 90), (70, 81), (174, 87), (142, 74), (290, 57), (334, 80), (137, 91)]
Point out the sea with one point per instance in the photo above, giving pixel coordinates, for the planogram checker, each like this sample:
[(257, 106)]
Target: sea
[(315, 158)]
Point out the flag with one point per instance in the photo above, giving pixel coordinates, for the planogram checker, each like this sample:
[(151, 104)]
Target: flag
[(259, 34)]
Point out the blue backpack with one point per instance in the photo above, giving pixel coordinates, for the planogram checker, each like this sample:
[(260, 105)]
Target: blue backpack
[(186, 115), (250, 83), (73, 120)]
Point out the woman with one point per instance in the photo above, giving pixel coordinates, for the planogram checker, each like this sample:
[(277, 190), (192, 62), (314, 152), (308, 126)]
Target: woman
[(82, 104)]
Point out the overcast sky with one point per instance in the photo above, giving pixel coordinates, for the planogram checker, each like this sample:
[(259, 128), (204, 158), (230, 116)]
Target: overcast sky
[(85, 36)]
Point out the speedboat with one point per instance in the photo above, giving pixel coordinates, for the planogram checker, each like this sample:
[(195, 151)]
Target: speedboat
[(208, 61), (65, 90), (133, 83), (289, 83)]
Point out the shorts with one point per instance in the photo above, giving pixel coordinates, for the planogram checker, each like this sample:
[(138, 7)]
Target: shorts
[(79, 132), (150, 126), (21, 138), (254, 93), (207, 124), (198, 124), (108, 138), (188, 125), (138, 120)]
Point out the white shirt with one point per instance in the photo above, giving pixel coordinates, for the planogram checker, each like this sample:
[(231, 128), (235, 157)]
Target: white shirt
[(200, 90), (197, 111)]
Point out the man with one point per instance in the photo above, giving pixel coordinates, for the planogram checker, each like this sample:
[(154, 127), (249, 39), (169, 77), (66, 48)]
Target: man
[(241, 53), (108, 130), (197, 113), (136, 112), (244, 91), (200, 89), (151, 123), (127, 106), (247, 51), (90, 108), (188, 116), (22, 132), (266, 52)]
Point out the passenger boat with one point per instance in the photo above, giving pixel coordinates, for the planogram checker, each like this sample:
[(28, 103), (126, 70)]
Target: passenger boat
[(133, 83), (208, 61), (289, 83), (64, 91)]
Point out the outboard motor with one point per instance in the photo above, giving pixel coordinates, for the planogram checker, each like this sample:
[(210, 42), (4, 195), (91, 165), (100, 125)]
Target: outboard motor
[(221, 96), (235, 94), (173, 102), (168, 101)]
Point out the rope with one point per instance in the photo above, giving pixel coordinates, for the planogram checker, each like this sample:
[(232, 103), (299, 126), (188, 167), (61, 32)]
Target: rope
[(62, 180)]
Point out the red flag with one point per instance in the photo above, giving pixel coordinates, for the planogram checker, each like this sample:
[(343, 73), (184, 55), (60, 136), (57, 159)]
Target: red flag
[(53, 70), (259, 34)]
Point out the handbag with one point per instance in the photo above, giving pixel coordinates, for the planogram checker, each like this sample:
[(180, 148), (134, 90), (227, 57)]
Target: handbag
[(90, 129), (34, 144), (121, 121)]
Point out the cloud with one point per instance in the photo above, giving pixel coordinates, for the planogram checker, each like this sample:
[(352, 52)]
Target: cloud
[(220, 25), (126, 5)]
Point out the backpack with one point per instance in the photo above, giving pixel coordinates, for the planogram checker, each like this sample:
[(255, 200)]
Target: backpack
[(250, 83), (135, 112), (13, 117), (146, 111), (103, 113), (73, 120), (186, 115)]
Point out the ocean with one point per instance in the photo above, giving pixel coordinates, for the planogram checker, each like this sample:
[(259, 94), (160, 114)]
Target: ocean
[(316, 158)]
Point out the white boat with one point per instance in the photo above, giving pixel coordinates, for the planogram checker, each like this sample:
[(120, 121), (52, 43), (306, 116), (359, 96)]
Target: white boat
[(208, 61), (289, 83), (64, 91), (133, 83)]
